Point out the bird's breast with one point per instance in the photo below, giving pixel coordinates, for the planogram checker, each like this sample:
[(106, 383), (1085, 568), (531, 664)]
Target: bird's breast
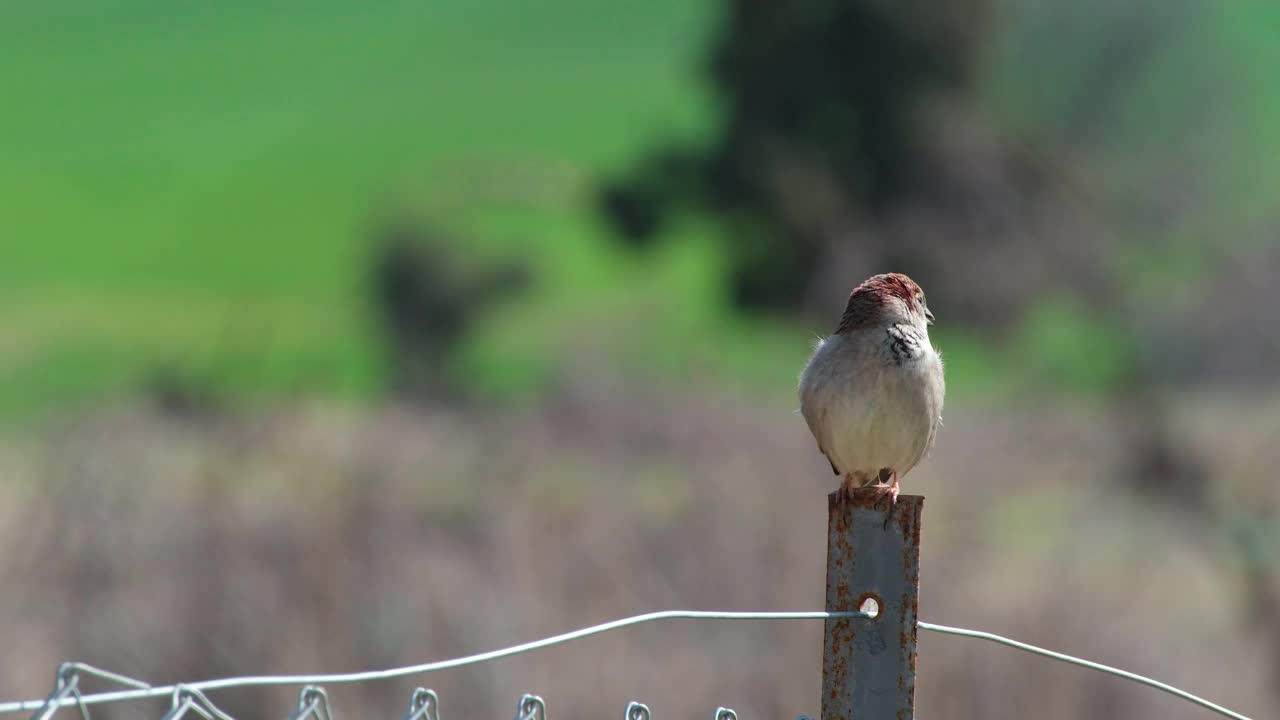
[(876, 404)]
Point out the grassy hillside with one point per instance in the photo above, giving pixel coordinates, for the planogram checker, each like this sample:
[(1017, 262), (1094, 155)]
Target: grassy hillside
[(189, 189), (193, 186)]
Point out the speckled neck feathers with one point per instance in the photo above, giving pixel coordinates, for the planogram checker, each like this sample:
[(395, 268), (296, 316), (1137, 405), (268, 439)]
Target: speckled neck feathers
[(904, 343)]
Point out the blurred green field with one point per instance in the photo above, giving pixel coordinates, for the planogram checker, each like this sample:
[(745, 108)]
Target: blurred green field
[(192, 187), (189, 189)]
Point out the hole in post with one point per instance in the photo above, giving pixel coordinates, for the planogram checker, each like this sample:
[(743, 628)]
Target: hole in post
[(869, 603)]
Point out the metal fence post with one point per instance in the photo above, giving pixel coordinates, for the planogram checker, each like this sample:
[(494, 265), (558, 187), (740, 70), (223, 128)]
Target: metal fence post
[(869, 665)]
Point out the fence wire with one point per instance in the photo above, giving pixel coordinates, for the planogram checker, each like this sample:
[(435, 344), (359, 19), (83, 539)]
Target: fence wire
[(313, 703)]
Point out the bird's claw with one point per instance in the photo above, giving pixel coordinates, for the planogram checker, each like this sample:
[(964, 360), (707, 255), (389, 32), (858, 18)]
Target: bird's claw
[(890, 491), (845, 498)]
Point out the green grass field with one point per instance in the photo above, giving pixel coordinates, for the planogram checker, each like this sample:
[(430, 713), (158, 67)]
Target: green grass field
[(190, 188)]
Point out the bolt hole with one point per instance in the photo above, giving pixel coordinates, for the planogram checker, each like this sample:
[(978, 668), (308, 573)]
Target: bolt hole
[(870, 605)]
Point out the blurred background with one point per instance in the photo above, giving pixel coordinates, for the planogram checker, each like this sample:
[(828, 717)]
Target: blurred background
[(341, 336)]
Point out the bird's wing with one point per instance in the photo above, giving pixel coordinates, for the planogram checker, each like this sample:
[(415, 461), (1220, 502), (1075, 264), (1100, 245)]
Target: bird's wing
[(810, 409), (813, 403)]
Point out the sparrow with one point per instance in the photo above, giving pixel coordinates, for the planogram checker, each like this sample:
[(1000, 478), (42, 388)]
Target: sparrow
[(872, 392)]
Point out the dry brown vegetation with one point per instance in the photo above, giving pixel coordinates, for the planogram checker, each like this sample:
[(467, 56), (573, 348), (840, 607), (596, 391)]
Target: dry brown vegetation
[(321, 539)]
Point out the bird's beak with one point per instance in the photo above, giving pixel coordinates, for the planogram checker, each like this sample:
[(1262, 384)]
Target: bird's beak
[(928, 315)]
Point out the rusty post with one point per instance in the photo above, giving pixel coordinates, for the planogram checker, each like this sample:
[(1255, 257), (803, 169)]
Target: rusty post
[(869, 665)]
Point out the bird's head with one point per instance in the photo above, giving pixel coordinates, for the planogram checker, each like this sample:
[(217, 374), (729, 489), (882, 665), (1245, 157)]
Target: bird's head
[(885, 300)]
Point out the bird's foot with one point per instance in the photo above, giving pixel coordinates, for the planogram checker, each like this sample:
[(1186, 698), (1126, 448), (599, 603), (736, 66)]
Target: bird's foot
[(845, 497), (889, 491)]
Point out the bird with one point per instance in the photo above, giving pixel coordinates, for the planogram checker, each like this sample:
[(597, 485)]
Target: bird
[(872, 392)]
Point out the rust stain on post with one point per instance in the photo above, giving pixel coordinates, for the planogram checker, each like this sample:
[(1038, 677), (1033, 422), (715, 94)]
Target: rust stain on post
[(869, 665)]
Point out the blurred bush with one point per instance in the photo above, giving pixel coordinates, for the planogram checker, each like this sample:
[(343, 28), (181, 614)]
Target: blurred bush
[(428, 300), (822, 129)]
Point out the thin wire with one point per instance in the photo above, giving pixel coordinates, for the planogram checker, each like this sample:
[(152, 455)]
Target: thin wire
[(180, 710), (84, 711), (187, 698), (1084, 663), (108, 675), (312, 702), (334, 679), (531, 707), (66, 682), (424, 704), (65, 685), (149, 692)]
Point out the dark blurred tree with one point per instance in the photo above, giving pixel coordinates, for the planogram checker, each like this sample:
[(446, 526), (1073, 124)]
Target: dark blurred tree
[(821, 101), (428, 301)]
